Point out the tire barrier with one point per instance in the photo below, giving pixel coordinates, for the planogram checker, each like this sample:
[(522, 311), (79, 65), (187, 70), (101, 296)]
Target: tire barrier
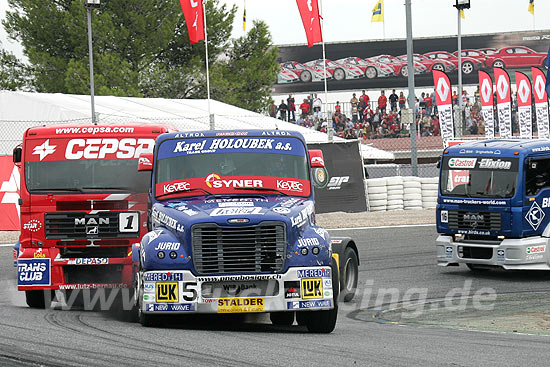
[(401, 193)]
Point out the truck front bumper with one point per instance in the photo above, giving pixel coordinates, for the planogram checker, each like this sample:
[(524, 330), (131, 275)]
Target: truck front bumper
[(299, 289), (511, 254)]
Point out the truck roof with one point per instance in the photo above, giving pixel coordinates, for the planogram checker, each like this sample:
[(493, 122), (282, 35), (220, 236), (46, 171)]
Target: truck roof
[(231, 133), (499, 146), (58, 130)]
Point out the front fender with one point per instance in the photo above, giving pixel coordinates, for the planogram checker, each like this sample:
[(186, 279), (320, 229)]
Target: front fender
[(163, 240)]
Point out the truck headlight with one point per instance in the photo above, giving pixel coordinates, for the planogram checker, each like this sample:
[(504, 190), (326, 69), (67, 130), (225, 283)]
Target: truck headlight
[(304, 251), (161, 255), (173, 254)]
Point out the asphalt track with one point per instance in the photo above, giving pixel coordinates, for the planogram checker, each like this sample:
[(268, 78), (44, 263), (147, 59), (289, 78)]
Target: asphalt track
[(401, 259)]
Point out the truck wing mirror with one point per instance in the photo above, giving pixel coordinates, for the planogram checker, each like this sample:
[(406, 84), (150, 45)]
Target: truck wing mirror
[(145, 162), (316, 158), (17, 154)]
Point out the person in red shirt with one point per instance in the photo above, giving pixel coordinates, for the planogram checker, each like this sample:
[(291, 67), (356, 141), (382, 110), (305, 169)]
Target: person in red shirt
[(382, 102), (364, 98), (305, 108), (338, 108), (428, 101)]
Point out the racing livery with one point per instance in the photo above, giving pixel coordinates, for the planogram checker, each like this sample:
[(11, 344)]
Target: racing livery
[(83, 204), (233, 230), (493, 205)]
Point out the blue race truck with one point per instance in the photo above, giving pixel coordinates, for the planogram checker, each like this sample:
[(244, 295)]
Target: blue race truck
[(232, 230), (493, 205)]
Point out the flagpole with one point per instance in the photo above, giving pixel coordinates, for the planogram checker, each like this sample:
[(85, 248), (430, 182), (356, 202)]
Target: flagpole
[(210, 115), (329, 126)]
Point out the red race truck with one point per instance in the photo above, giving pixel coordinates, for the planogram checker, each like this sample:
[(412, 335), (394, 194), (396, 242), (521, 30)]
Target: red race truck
[(83, 203)]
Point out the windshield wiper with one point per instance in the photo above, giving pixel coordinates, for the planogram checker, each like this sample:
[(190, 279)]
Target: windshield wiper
[(262, 189), (71, 189), (105, 188), (186, 190)]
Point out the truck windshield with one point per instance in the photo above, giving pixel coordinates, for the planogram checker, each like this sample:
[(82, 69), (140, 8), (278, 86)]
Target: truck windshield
[(86, 176), (279, 164), (479, 177)]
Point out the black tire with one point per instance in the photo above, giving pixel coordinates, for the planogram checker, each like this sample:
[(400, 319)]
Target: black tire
[(498, 64), (305, 76), (349, 275), (477, 268), (301, 318), (339, 74), (404, 71), (324, 321), (439, 67), (39, 299), (467, 67), (282, 318), (371, 72)]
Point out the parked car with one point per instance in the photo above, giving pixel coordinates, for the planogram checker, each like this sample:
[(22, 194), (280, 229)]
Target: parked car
[(439, 64), (307, 73), (399, 66), (469, 65), (369, 68), (516, 57)]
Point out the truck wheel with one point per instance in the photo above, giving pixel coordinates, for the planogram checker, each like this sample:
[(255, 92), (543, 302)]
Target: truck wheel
[(325, 321), (301, 318), (39, 299), (350, 275), (282, 318)]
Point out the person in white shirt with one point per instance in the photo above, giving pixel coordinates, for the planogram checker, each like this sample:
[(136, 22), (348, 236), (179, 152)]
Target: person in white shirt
[(317, 103)]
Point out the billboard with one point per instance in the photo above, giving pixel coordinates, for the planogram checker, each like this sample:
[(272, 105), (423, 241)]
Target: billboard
[(383, 64)]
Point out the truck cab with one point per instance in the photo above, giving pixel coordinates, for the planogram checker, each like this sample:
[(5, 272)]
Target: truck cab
[(493, 205), (232, 223)]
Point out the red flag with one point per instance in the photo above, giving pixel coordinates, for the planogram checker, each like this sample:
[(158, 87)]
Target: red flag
[(539, 82), (486, 89), (309, 10), (194, 17), (442, 86), (523, 90), (502, 81)]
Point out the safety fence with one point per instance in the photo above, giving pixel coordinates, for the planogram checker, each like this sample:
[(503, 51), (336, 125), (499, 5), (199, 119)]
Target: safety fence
[(401, 193)]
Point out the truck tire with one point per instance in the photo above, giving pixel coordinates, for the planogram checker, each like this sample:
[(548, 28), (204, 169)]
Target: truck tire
[(324, 321), (349, 275), (38, 299), (282, 318)]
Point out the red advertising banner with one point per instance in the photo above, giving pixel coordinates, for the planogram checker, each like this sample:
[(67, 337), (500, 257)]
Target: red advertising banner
[(504, 108), (523, 85), (442, 86), (9, 195), (309, 11), (194, 17), (541, 103), (487, 102)]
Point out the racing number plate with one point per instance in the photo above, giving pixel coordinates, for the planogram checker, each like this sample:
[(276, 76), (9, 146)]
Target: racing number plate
[(312, 288), (167, 292)]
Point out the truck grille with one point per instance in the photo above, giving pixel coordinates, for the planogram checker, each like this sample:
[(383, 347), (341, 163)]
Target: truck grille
[(485, 221), (251, 249), (82, 225)]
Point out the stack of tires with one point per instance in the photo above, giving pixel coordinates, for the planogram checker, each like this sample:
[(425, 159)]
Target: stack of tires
[(412, 193), (395, 189), (429, 192), (377, 194)]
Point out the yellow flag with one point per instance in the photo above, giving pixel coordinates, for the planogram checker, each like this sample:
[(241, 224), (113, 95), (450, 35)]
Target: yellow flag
[(462, 14), (244, 17), (531, 8), (378, 12)]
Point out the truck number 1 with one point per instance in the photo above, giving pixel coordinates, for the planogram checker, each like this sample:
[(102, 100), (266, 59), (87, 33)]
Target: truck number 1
[(128, 222)]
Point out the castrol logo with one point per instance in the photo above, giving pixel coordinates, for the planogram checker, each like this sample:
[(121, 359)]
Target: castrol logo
[(462, 162)]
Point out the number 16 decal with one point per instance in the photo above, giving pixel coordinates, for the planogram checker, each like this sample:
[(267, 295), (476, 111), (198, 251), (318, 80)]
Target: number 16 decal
[(128, 222)]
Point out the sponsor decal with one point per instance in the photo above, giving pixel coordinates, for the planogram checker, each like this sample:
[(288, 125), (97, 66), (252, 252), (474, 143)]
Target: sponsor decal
[(474, 231), (232, 133), (276, 133), (89, 261), (44, 149), (93, 286), (235, 200), (474, 202), (289, 203), (175, 187), (163, 277), (307, 242), (149, 287), (92, 148), (38, 254), (235, 289), (534, 257), (281, 210), (335, 183), (337, 242), (239, 278), (462, 163), (535, 215), (189, 135), (208, 300), (167, 292), (444, 216), (153, 235), (292, 289), (236, 211), (314, 273), (239, 305), (236, 203), (325, 303), (168, 246), (168, 221), (317, 160), (545, 202), (149, 297), (215, 181), (144, 161), (303, 217), (33, 272), (312, 288), (321, 233), (33, 225), (449, 252), (179, 307), (488, 163), (288, 185), (211, 146), (536, 249), (500, 255), (327, 283), (540, 149)]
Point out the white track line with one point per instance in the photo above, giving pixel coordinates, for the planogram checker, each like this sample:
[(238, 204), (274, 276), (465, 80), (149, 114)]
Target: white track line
[(382, 227)]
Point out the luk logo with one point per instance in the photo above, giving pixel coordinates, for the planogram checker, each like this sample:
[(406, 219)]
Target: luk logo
[(290, 186), (523, 91), (486, 90), (443, 89), (336, 182), (44, 149), (502, 87), (211, 178), (167, 292)]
